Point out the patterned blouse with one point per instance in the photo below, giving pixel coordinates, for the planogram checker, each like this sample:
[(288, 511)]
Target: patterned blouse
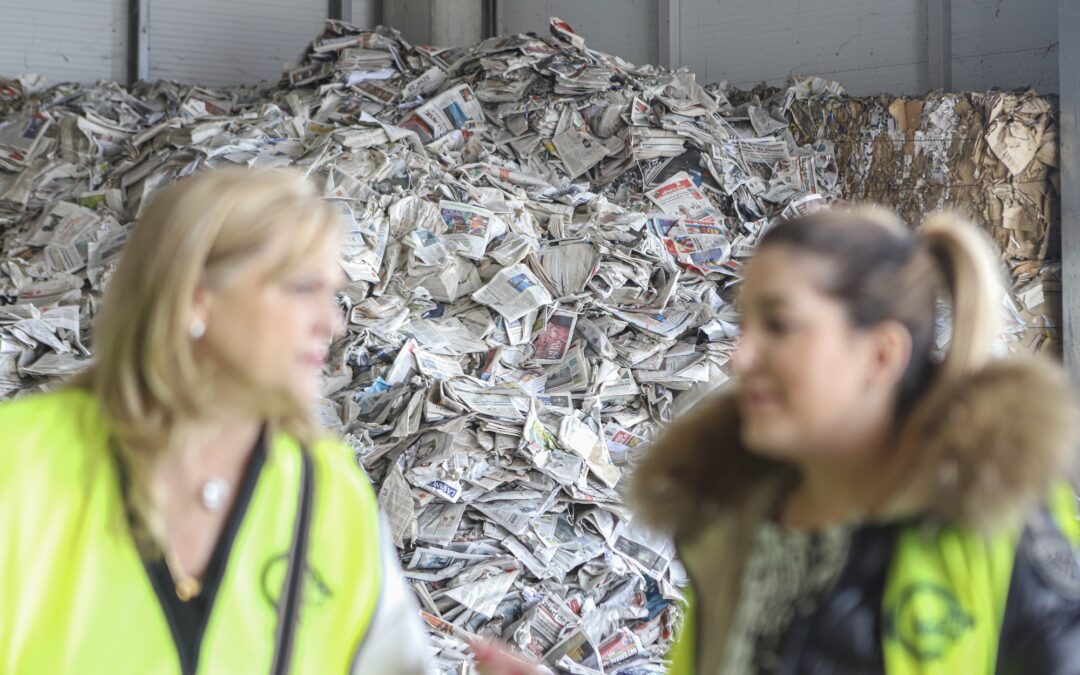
[(786, 575)]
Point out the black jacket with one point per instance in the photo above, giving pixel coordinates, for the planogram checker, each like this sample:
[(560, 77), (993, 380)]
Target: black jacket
[(985, 456), (1040, 633)]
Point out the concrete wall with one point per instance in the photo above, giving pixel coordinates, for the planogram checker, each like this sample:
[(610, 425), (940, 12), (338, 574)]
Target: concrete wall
[(445, 23), (366, 12), (628, 28), (411, 17)]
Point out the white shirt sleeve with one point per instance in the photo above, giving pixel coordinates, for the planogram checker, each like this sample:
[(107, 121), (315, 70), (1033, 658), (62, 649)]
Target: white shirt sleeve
[(396, 642)]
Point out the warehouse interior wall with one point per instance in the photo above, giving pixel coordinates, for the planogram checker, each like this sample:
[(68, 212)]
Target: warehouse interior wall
[(411, 17), (449, 23), (1009, 44), (223, 42), (627, 28), (869, 45), (212, 42), (80, 40)]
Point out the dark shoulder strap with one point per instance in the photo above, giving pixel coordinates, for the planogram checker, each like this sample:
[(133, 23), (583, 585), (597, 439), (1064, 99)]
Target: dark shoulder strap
[(289, 603)]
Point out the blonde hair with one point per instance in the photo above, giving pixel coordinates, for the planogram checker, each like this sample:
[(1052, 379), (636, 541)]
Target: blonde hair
[(147, 376)]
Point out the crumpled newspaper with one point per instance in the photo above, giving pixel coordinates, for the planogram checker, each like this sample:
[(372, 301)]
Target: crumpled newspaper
[(544, 244)]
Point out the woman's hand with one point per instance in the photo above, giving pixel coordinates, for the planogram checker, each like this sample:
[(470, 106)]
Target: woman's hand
[(493, 658)]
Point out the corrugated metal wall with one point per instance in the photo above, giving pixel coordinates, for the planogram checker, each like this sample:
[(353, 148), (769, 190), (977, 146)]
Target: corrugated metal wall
[(869, 45), (213, 42), (64, 40), (221, 42), (1008, 44), (628, 28)]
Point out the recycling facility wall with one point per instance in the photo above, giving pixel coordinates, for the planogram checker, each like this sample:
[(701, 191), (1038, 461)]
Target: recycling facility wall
[(627, 28), (871, 46), (212, 42), (83, 40)]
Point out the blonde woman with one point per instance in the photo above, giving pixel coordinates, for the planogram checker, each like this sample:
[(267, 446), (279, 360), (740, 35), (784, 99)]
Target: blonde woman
[(858, 504), (177, 510)]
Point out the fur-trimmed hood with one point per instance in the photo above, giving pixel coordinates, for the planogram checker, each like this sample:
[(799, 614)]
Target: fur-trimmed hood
[(985, 455)]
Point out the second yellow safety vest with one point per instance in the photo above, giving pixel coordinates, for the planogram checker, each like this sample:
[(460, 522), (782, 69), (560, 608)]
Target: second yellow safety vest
[(944, 600)]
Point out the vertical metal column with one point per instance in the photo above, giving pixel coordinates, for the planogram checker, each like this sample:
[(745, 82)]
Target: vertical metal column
[(939, 43), (498, 18), (341, 10), (1069, 109), (490, 19), (138, 56), (670, 37)]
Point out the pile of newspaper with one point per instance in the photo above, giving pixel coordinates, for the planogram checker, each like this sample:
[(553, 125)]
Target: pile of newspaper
[(544, 244)]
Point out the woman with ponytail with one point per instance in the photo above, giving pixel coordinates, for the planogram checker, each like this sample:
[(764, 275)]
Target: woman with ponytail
[(861, 502)]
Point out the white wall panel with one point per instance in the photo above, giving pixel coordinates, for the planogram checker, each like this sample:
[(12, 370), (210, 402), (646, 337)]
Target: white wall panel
[(64, 40)]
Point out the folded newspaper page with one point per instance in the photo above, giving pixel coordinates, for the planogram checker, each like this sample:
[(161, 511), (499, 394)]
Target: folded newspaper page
[(679, 196), (513, 292)]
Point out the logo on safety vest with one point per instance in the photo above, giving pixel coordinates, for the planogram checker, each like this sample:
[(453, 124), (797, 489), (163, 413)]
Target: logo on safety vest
[(316, 591), (927, 620)]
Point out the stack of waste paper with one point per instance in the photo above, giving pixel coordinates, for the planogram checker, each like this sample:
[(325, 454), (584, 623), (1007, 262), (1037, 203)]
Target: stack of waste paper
[(544, 244), (992, 156)]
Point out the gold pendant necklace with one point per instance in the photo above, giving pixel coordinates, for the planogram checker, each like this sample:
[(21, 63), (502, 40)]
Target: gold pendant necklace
[(187, 586)]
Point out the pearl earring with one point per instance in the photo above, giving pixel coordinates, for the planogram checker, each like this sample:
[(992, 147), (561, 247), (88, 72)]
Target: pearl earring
[(197, 328)]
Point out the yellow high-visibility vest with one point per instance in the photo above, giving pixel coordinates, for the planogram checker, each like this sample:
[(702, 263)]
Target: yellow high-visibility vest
[(944, 599), (75, 596)]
